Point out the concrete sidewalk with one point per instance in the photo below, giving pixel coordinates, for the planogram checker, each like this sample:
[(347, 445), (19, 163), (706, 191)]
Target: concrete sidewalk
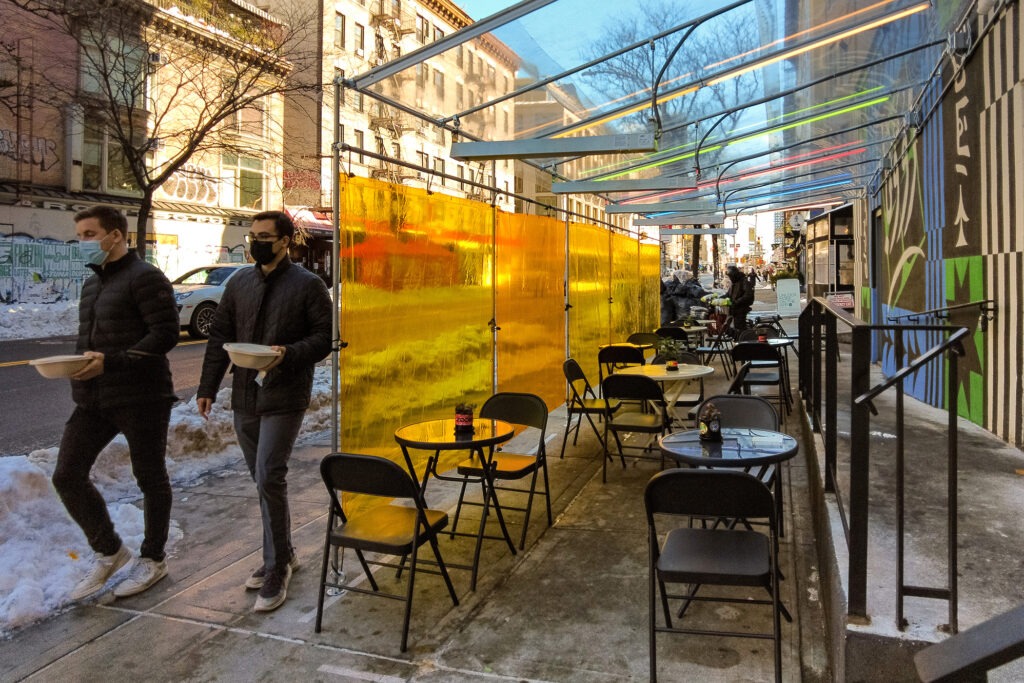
[(572, 607)]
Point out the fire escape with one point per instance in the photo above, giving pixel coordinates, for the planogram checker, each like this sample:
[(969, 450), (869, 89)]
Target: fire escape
[(388, 125)]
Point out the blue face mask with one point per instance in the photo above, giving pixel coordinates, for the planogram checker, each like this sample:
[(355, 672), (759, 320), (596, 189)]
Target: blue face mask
[(93, 252)]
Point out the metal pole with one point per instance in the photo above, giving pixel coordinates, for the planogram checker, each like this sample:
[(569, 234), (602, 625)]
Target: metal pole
[(336, 273), (951, 493), (859, 460)]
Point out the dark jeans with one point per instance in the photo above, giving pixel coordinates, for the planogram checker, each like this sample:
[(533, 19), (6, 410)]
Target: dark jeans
[(86, 433), (266, 442)]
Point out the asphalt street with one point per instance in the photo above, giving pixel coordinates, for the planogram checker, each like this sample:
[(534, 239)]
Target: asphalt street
[(35, 408)]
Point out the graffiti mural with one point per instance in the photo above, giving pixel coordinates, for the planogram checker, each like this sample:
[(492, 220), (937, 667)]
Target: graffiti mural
[(192, 183), (29, 149), (954, 231), (40, 271)]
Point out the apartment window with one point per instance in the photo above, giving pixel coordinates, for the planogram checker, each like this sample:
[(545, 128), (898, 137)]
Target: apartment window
[(250, 120), (461, 172), (439, 169), (421, 75), (360, 102), (339, 31), (359, 39), (104, 166), (396, 150), (245, 179), (359, 139), (508, 127), (459, 101), (458, 56), (423, 159), (422, 29), (438, 33), (396, 8), (439, 86), (341, 132), (490, 74)]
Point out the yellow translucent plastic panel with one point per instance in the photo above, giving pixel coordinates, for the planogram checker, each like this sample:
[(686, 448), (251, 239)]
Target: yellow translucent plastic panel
[(589, 278), (415, 305), (650, 287), (625, 287), (529, 295)]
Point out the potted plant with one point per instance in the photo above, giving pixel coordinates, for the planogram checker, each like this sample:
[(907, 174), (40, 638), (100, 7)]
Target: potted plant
[(668, 350), (464, 417)]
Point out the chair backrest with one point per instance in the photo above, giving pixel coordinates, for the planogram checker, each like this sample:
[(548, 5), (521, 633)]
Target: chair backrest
[(748, 335), (672, 333), (517, 408), (632, 388), (708, 493), (366, 474), (577, 379), (719, 324), (612, 358), (621, 355), (744, 411), (737, 382), (686, 357), (754, 350), (643, 338)]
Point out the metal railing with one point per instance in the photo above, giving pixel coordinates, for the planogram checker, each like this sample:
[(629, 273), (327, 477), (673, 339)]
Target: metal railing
[(819, 363)]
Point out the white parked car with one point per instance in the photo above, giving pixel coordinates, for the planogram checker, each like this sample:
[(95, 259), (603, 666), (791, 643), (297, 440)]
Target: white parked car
[(198, 293)]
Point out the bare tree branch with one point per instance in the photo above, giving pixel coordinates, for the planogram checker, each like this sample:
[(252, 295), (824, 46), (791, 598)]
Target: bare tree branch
[(171, 85)]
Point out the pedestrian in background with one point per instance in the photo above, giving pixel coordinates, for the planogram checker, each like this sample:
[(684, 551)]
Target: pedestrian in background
[(128, 321), (282, 305), (741, 297)]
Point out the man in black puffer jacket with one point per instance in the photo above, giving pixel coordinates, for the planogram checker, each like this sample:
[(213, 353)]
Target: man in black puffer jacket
[(286, 307), (128, 321)]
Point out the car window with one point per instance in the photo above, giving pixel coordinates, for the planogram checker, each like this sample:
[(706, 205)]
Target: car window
[(217, 276), (206, 276)]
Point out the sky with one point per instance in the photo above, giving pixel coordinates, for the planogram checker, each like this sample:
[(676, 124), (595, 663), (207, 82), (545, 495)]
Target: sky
[(43, 553)]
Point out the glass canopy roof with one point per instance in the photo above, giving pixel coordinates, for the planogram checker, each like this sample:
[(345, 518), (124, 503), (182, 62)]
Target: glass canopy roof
[(761, 104)]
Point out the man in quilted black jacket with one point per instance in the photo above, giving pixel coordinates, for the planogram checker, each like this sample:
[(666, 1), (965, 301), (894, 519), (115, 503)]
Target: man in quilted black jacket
[(128, 321), (282, 305)]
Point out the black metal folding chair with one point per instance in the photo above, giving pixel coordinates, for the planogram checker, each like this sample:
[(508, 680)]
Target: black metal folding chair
[(526, 410), (582, 403), (385, 530), (713, 555)]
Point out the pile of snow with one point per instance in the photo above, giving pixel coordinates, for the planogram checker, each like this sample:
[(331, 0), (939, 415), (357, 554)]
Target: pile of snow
[(43, 553), (34, 321)]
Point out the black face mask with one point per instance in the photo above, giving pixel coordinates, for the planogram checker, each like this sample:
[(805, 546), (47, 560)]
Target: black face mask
[(262, 252)]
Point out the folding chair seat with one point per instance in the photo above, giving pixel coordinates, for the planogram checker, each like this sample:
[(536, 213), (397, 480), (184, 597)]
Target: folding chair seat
[(385, 530), (612, 358), (527, 410), (767, 369), (711, 555), (583, 403), (653, 421)]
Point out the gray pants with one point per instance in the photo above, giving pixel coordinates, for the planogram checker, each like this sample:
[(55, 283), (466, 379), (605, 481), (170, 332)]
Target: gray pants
[(266, 442)]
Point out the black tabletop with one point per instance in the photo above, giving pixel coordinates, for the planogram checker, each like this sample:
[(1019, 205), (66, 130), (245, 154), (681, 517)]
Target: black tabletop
[(739, 447), (440, 435)]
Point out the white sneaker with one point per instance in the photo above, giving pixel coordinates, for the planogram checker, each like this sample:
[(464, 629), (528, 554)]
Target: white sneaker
[(274, 591), (96, 579), (143, 574)]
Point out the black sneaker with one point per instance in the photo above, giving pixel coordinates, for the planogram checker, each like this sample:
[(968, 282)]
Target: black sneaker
[(275, 589), (255, 581)]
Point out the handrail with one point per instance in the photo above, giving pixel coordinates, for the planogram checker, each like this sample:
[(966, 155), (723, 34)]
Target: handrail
[(819, 384), (952, 342), (987, 307)]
